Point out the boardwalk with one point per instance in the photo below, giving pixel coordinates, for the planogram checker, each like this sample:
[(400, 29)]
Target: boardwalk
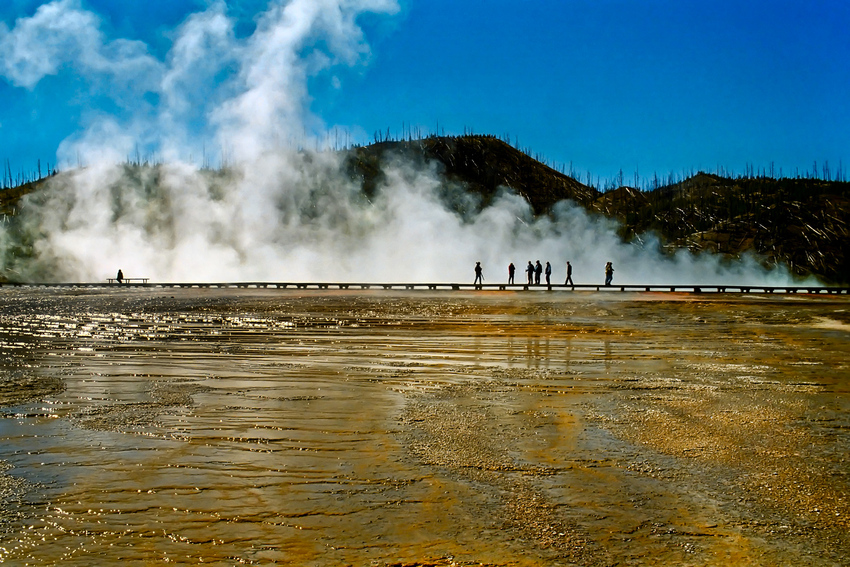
[(699, 288)]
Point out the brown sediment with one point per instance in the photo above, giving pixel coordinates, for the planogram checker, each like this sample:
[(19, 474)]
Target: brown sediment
[(474, 444), (127, 417), (18, 387), (423, 429), (767, 438)]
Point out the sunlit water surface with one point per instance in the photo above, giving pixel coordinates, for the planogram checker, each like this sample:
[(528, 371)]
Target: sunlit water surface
[(331, 428)]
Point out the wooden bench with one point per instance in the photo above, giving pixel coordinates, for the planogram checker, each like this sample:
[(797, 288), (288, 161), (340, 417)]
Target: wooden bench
[(128, 280)]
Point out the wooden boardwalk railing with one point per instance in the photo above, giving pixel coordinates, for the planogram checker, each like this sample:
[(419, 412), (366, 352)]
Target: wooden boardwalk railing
[(690, 288)]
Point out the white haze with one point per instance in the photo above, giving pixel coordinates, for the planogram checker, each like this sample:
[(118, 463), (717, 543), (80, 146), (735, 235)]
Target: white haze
[(275, 213)]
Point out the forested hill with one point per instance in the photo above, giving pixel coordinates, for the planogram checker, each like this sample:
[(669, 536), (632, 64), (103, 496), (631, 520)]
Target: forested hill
[(483, 164), (804, 223)]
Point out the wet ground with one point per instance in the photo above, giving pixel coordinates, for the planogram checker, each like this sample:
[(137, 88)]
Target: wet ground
[(414, 428)]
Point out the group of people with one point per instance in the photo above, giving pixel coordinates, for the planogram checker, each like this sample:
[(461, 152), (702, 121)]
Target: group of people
[(536, 270)]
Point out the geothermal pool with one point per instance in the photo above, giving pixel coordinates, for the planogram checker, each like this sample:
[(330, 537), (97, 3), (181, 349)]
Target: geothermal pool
[(423, 428)]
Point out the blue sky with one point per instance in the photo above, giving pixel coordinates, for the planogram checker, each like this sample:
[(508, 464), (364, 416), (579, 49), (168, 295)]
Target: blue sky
[(646, 86)]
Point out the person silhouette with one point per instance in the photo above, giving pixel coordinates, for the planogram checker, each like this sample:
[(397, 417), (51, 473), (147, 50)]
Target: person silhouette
[(569, 279), (120, 276), (548, 273), (609, 273), (538, 271), (530, 271), (511, 270), (479, 275)]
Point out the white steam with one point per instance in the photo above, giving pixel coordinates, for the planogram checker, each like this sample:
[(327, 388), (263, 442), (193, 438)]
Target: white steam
[(274, 213), (291, 216), (60, 35)]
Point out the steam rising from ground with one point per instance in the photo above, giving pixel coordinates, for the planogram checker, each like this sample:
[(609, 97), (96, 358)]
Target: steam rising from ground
[(293, 216), (275, 212)]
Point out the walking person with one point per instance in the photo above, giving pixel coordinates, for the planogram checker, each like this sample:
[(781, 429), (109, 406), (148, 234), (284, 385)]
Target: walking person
[(538, 271), (548, 274), (569, 279), (511, 270), (609, 273), (479, 274), (530, 271)]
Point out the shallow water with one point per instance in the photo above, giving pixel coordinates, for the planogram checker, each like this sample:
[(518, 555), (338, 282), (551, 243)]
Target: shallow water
[(414, 428)]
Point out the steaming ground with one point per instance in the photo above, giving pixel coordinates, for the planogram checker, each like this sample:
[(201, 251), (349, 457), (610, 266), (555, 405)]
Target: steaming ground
[(296, 216), (272, 212)]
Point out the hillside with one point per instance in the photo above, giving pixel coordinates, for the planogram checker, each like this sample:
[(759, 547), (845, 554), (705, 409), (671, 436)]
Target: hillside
[(482, 164), (9, 198), (803, 223)]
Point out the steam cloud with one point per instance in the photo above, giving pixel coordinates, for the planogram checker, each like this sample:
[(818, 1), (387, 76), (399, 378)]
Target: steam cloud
[(275, 213)]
